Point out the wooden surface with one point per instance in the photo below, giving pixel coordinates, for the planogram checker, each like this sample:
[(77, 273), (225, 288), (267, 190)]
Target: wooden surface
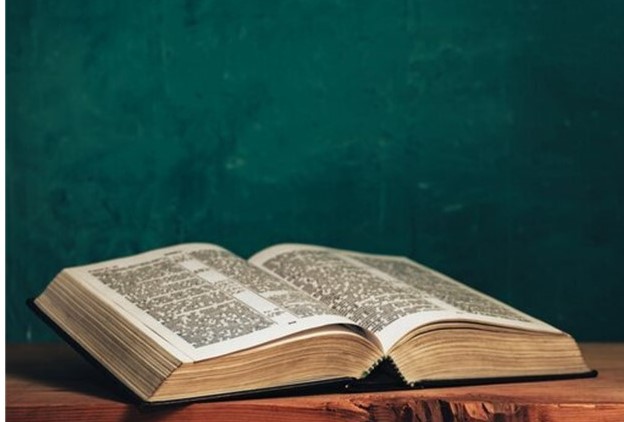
[(50, 382)]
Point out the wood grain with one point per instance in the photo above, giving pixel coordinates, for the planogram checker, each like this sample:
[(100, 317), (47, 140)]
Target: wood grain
[(50, 382)]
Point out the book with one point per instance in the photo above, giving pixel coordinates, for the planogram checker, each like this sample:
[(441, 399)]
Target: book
[(196, 321)]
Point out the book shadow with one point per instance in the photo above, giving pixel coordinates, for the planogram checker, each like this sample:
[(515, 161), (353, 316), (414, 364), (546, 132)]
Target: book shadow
[(63, 369)]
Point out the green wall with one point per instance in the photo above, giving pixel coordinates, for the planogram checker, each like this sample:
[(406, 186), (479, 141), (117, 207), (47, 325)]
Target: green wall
[(484, 138)]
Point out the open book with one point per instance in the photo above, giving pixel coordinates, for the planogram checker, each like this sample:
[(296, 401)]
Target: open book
[(195, 320)]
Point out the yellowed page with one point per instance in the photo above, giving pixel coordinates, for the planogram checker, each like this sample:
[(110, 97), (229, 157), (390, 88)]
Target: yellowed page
[(202, 301), (387, 295)]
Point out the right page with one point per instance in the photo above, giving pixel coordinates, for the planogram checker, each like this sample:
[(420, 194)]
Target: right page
[(387, 295)]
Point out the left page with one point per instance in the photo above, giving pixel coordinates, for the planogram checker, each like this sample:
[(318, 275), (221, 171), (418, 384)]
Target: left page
[(204, 301)]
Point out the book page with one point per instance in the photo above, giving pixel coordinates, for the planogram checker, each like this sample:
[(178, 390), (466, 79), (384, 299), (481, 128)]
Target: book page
[(204, 300), (389, 296)]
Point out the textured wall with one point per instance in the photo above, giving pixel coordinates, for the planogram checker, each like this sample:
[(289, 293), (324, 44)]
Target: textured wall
[(484, 138)]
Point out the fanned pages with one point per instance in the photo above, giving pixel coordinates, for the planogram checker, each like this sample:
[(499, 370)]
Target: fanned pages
[(195, 320)]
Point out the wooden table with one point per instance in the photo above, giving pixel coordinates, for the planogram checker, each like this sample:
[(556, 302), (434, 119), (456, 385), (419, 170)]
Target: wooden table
[(50, 382)]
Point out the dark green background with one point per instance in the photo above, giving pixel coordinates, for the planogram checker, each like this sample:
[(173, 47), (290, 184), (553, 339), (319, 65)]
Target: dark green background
[(484, 138)]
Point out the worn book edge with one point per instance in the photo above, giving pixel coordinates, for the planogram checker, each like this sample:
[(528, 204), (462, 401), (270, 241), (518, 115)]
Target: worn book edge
[(335, 385), (382, 376), (385, 376)]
